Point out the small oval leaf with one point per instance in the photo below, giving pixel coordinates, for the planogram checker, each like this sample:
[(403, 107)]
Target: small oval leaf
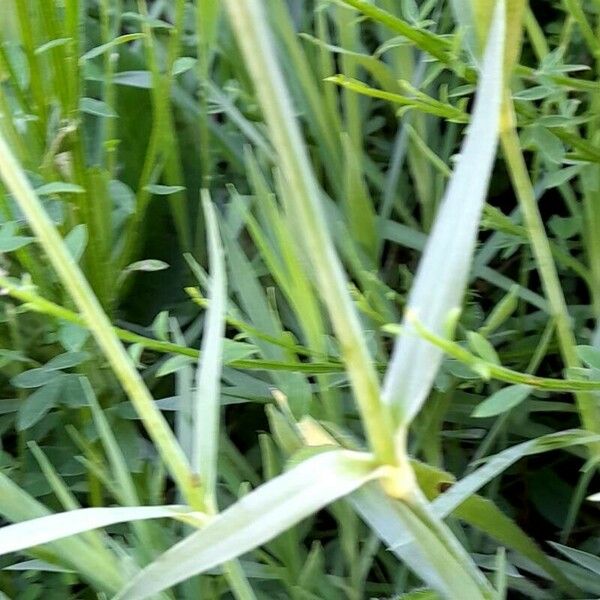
[(502, 401)]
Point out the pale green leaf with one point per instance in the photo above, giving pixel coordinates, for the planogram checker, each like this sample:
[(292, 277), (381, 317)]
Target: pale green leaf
[(183, 64), (423, 542), (76, 241), (59, 187), (148, 266), (482, 347), (257, 518), (68, 360), (52, 44), (38, 404), (98, 108), (206, 408), (502, 401), (43, 530), (459, 492), (589, 355), (584, 559), (98, 50), (164, 190), (440, 282)]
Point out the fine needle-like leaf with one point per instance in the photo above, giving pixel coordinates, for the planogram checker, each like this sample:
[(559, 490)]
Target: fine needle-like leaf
[(207, 405)]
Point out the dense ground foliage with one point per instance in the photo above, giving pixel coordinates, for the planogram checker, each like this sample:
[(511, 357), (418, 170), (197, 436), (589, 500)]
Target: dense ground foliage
[(121, 112)]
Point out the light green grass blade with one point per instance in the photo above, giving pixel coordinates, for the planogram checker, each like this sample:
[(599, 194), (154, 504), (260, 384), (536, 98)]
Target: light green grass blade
[(484, 515), (43, 530), (205, 439), (257, 518), (118, 464), (470, 484), (440, 283), (303, 202), (423, 543), (584, 559), (254, 302)]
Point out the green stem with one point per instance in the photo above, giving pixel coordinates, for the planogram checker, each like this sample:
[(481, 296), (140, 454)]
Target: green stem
[(588, 409), (49, 308), (490, 370)]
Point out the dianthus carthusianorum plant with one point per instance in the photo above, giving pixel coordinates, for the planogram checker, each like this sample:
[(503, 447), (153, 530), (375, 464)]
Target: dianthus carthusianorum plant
[(265, 156)]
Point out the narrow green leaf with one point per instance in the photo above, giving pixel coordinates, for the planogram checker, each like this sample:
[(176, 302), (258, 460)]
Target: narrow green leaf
[(183, 64), (484, 515), (164, 190), (43, 530), (98, 50), (52, 44), (76, 241), (68, 360), (446, 262), (590, 356), (33, 378), (37, 566), (459, 492), (148, 266), (423, 542), (206, 409), (482, 347), (136, 79), (257, 518), (584, 559), (59, 187), (12, 243), (91, 106), (17, 505)]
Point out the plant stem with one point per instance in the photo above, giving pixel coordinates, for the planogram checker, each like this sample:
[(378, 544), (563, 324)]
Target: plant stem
[(588, 409)]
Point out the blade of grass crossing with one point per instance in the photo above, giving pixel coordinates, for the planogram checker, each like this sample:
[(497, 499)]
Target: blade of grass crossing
[(207, 403), (448, 254), (256, 518), (303, 203), (413, 534), (16, 505), (49, 528)]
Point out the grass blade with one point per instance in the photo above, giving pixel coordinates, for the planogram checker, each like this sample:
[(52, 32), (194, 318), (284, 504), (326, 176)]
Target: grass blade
[(423, 543), (304, 205), (16, 505), (35, 532), (207, 405), (257, 518), (440, 283), (467, 486)]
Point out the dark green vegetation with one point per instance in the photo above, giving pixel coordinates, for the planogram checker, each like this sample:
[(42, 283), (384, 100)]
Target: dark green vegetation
[(120, 113)]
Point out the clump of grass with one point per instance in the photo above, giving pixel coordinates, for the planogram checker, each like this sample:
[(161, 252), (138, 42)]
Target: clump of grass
[(367, 229)]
